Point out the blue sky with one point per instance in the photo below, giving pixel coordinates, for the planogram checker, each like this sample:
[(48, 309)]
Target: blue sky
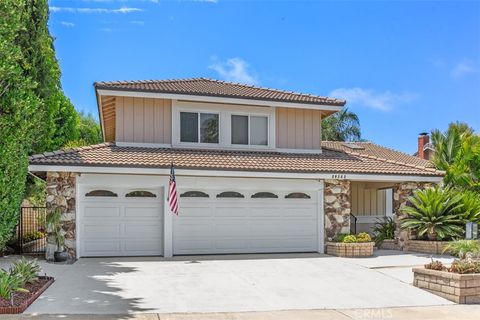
[(404, 67)]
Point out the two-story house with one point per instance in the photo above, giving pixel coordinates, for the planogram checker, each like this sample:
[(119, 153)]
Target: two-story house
[(252, 173)]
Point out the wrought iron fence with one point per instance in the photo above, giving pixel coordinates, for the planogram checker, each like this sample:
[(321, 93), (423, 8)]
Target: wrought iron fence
[(31, 233)]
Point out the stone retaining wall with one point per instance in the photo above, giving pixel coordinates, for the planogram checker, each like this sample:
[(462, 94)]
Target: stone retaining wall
[(351, 250), (61, 194), (459, 288), (424, 246), (389, 244)]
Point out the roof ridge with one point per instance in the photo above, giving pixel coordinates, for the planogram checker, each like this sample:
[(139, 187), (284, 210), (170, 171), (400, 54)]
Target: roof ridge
[(250, 86), (70, 150), (392, 161)]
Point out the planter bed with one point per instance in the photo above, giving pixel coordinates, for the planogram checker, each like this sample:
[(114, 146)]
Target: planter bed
[(389, 244), (350, 250), (23, 300), (459, 288), (425, 246)]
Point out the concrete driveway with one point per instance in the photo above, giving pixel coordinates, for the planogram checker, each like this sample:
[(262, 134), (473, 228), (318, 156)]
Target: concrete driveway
[(232, 284)]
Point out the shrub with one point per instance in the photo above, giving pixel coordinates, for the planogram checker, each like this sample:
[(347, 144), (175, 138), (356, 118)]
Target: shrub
[(9, 284), (470, 211), (339, 237), (465, 266), (363, 237), (433, 212), (384, 229), (34, 235), (350, 239), (26, 270), (435, 265), (463, 248)]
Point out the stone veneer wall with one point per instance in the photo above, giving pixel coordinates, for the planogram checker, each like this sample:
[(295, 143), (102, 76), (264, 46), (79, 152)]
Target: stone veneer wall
[(61, 194), (337, 207), (401, 193)]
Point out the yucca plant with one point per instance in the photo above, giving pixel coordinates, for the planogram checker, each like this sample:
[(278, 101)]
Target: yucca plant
[(434, 212), (9, 284), (27, 270), (384, 229)]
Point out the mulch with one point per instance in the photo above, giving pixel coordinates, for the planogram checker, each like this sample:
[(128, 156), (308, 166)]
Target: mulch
[(22, 300)]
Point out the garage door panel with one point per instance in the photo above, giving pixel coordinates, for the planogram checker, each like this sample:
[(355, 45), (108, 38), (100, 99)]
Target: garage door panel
[(139, 212), (192, 229), (300, 212), (285, 244), (151, 246), (193, 245), (100, 231), (142, 230), (101, 212), (231, 245), (231, 228), (195, 211), (266, 212), (101, 247), (231, 212)]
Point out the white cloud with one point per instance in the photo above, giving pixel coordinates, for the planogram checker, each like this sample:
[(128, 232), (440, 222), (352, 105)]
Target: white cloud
[(462, 68), (235, 70), (384, 101), (106, 29), (94, 10), (138, 22), (67, 24)]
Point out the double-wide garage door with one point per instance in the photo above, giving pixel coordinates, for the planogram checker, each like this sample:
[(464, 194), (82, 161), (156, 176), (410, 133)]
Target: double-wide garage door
[(246, 222), (217, 215)]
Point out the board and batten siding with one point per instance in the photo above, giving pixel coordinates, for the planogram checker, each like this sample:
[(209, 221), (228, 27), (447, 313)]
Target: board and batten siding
[(298, 128), (143, 120), (367, 201)]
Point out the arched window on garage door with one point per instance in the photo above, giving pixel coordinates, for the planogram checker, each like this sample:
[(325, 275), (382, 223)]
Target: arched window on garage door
[(230, 194), (264, 195), (140, 194), (194, 194), (101, 193), (297, 195)]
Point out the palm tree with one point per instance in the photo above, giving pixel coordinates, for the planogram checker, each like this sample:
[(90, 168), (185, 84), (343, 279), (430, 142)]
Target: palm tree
[(341, 126), (457, 152)]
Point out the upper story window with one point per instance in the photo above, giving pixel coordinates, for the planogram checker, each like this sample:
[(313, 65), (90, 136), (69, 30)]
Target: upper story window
[(250, 130), (199, 127)]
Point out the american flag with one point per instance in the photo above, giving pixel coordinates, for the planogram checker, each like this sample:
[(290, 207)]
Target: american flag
[(172, 192)]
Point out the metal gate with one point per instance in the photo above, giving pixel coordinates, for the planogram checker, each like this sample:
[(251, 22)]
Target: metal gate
[(31, 233)]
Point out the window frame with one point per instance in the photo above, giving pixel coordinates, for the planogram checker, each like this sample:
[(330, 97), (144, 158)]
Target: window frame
[(249, 115), (224, 123), (199, 129)]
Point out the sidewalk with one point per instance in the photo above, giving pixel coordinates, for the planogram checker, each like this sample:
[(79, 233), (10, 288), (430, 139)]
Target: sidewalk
[(454, 312)]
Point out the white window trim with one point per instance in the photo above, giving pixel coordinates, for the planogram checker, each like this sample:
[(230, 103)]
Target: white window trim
[(224, 124), (249, 115), (199, 129)]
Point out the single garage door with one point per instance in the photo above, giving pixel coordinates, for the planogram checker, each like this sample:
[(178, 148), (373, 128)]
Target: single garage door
[(121, 222), (216, 221)]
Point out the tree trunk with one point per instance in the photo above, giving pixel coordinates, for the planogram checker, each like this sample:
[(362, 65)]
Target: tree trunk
[(431, 234)]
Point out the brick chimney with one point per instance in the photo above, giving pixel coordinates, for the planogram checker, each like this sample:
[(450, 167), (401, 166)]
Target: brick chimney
[(423, 139)]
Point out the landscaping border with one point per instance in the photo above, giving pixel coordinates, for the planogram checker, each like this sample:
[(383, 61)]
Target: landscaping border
[(350, 250), (425, 246), (459, 288), (25, 304)]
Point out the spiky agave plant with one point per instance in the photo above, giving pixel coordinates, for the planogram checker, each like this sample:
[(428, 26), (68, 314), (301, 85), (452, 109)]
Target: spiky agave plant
[(434, 212)]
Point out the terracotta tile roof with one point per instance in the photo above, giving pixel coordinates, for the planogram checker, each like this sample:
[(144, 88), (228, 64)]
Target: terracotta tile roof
[(336, 158), (217, 88)]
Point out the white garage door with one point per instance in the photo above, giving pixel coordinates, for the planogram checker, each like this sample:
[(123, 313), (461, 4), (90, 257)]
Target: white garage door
[(121, 222), (216, 221)]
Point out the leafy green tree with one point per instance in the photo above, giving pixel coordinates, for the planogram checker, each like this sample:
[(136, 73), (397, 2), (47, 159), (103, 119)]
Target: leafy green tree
[(341, 126), (457, 152), (89, 132), (17, 116), (35, 115)]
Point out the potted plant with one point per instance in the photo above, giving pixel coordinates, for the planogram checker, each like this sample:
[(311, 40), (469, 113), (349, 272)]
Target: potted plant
[(57, 234)]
